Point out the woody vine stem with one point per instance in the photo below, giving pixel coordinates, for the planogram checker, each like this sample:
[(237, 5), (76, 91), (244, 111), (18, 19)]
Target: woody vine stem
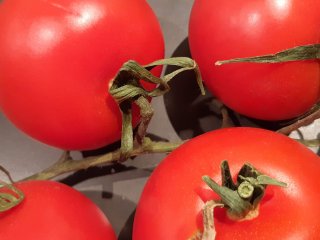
[(126, 89)]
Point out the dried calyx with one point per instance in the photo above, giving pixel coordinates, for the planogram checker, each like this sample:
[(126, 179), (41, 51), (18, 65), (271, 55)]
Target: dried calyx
[(243, 197), (127, 89)]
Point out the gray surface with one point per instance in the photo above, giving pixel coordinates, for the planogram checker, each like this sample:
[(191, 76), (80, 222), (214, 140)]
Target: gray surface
[(117, 194)]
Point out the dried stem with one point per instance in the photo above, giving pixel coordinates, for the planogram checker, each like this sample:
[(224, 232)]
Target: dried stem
[(310, 142), (300, 123), (66, 164), (226, 121), (209, 231), (298, 53), (146, 112), (126, 89)]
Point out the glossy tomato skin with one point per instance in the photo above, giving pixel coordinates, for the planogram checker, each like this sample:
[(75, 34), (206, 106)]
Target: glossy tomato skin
[(234, 29), (57, 59), (172, 200), (52, 211)]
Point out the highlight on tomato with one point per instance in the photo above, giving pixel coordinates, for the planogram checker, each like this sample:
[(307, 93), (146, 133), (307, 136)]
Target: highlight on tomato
[(264, 180), (51, 210), (221, 30), (57, 60)]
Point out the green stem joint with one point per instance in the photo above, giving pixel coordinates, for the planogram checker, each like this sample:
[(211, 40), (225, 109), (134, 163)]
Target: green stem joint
[(245, 195)]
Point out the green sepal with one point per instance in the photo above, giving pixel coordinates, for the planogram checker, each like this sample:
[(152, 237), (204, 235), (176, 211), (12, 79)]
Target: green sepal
[(126, 89), (298, 53), (10, 198), (228, 197)]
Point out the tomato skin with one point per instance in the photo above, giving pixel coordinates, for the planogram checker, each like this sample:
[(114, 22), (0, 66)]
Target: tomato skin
[(52, 211), (172, 200), (57, 59), (234, 29)]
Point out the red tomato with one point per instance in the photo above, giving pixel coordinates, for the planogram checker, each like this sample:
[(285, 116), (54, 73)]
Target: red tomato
[(57, 59), (171, 203), (52, 211), (221, 30)]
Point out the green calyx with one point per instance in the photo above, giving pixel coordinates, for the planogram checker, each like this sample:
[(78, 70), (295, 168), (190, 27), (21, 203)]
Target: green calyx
[(299, 53), (126, 89), (10, 196), (244, 196)]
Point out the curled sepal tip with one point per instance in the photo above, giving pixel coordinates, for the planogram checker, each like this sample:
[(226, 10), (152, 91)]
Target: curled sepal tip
[(298, 53), (10, 196)]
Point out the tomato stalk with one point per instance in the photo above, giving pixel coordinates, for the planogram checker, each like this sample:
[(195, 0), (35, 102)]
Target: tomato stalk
[(241, 198), (67, 164), (127, 89), (304, 120), (209, 231)]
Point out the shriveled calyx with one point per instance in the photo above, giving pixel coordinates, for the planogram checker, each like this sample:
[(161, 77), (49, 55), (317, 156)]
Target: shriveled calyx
[(127, 89)]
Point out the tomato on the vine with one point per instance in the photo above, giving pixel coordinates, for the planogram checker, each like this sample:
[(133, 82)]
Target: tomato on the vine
[(57, 59), (172, 201), (52, 211), (220, 30)]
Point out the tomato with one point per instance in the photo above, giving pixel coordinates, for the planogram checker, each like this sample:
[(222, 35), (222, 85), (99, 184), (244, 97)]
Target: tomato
[(171, 203), (51, 211), (57, 59), (220, 30)]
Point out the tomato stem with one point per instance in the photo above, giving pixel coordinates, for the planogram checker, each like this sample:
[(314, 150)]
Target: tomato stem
[(309, 142), (303, 120), (127, 132), (241, 199), (244, 196), (146, 112), (209, 232), (127, 89), (298, 53), (66, 164)]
